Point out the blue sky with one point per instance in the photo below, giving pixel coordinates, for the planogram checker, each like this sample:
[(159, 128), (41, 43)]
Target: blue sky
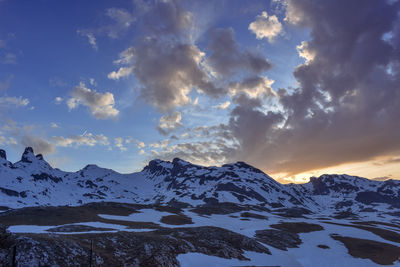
[(191, 73)]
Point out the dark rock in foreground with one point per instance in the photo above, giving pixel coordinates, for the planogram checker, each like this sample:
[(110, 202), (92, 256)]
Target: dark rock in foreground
[(278, 239)]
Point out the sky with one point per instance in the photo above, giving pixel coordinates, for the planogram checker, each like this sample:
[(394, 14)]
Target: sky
[(296, 88)]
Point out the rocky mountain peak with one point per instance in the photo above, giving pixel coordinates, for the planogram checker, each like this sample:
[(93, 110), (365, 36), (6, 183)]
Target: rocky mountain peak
[(158, 166), (3, 154), (28, 155), (91, 167), (178, 161), (39, 157)]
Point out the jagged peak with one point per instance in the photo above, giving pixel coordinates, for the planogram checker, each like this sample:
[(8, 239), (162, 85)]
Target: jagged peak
[(28, 150), (3, 154), (243, 165), (178, 161), (28, 155), (91, 166), (28, 158), (158, 165), (338, 177)]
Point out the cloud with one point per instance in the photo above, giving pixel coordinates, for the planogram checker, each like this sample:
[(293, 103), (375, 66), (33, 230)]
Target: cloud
[(168, 74), (169, 123), (165, 60), (346, 106), (393, 160), (54, 125), (206, 145), (254, 87), (139, 144), (223, 105), (57, 82), (4, 85), (381, 179), (81, 140), (227, 59), (10, 59), (122, 18), (90, 37), (205, 153), (92, 82), (24, 135), (167, 18), (101, 105), (7, 101), (39, 145), (58, 100), (305, 52), (161, 144), (7, 140), (344, 109), (122, 72), (119, 143), (267, 27), (118, 21)]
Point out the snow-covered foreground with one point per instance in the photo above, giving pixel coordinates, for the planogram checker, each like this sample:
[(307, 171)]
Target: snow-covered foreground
[(307, 254), (44, 229)]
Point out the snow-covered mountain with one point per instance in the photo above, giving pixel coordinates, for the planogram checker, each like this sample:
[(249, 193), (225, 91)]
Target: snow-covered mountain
[(32, 181)]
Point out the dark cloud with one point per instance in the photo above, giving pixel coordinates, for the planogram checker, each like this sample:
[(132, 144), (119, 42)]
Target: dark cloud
[(226, 58), (167, 18), (164, 58), (24, 136), (254, 87), (168, 73), (393, 160), (39, 145), (346, 108)]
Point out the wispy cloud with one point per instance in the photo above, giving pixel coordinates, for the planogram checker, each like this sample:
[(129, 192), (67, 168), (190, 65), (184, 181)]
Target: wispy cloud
[(7, 101), (223, 105), (81, 140)]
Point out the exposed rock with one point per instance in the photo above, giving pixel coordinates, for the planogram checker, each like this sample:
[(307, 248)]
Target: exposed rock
[(297, 227), (3, 154), (278, 239), (157, 248), (378, 252), (28, 155)]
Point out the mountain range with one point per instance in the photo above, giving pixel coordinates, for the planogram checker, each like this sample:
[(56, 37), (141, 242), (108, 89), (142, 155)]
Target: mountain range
[(33, 182)]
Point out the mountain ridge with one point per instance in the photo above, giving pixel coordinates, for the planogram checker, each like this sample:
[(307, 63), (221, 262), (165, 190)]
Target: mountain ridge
[(33, 182)]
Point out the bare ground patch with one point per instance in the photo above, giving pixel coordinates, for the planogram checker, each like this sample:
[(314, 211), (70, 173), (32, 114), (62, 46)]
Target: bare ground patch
[(178, 219), (297, 227), (278, 239), (383, 233), (68, 215), (77, 228), (378, 252), (253, 215)]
